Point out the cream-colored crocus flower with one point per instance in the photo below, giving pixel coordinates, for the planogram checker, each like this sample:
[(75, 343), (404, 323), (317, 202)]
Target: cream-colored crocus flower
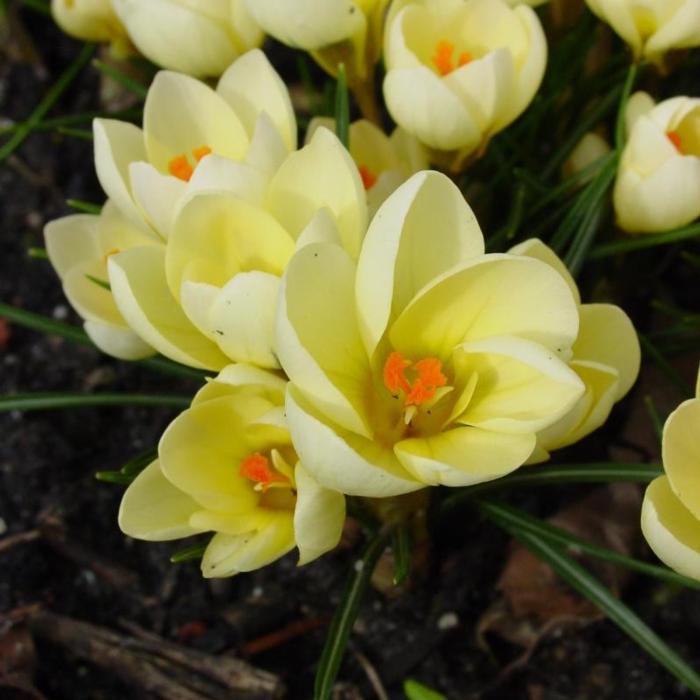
[(428, 363), (194, 138), (605, 356), (334, 31), (91, 20), (210, 296), (658, 180), (459, 71), (671, 507), (591, 148), (652, 27), (226, 465), (78, 247), (384, 161), (197, 37)]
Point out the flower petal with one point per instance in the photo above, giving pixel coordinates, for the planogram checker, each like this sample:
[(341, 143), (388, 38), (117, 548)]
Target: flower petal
[(318, 518), (489, 296), (607, 336), (318, 343), (158, 195), (671, 530), (239, 377), (252, 86), (321, 174), (341, 460), (680, 450), (422, 230), (680, 32), (153, 509), (137, 278), (117, 341), (218, 174), (464, 456), (522, 387), (203, 119), (71, 240)]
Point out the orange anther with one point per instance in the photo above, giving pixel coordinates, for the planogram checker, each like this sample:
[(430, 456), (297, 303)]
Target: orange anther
[(395, 373), (443, 57), (180, 168), (369, 179), (675, 138), (256, 467), (200, 152), (430, 372), (464, 58)]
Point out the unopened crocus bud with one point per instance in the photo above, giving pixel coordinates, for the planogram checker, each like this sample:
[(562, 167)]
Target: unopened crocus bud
[(90, 20)]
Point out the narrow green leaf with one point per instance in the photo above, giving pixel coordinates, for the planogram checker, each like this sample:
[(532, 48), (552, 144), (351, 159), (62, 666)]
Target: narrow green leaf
[(521, 520), (122, 78), (587, 585), (139, 462), (196, 551), (640, 242), (401, 546), (77, 118), (342, 108), (37, 253), (114, 477), (50, 326), (48, 401), (345, 615), (99, 282), (23, 130), (84, 134), (85, 207), (620, 136), (417, 691)]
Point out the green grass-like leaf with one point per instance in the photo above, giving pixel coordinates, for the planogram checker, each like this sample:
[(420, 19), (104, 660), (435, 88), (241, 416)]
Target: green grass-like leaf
[(342, 108), (642, 241), (417, 691), (345, 615), (42, 401), (122, 78), (196, 551), (85, 207), (401, 546)]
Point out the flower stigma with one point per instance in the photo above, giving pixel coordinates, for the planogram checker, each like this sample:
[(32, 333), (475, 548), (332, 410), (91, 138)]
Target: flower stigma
[(180, 167), (443, 57)]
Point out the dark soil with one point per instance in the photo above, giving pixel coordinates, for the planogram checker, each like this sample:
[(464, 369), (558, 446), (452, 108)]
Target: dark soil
[(47, 466)]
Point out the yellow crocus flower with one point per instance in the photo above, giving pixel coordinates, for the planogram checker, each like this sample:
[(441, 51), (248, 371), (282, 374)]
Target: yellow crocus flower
[(429, 362), (226, 465), (91, 20), (671, 507)]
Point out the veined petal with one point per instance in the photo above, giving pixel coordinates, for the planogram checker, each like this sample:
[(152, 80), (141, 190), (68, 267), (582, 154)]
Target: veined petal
[(423, 229), (202, 449), (318, 517), (522, 388), (71, 240), (671, 530), (321, 174), (252, 86), (607, 336), (341, 460), (137, 278), (158, 195), (422, 104), (464, 456), (489, 296), (118, 341), (318, 343), (680, 449), (242, 318), (203, 119), (228, 555), (117, 145), (216, 235), (153, 509)]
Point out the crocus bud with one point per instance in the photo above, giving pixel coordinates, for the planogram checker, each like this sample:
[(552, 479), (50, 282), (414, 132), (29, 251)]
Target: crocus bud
[(459, 71), (658, 181), (89, 20)]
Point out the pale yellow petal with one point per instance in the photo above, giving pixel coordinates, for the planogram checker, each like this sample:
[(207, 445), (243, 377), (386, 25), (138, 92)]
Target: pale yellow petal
[(71, 240), (680, 449), (117, 341), (239, 377), (153, 509), (157, 195), (218, 174), (680, 32)]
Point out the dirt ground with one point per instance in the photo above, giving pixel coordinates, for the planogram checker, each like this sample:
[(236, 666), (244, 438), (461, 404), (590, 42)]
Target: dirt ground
[(75, 562)]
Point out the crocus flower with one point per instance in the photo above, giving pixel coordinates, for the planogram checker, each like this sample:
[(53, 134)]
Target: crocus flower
[(193, 138), (652, 27), (226, 465), (428, 363), (90, 20), (334, 31), (209, 296), (78, 247), (591, 148), (671, 507), (605, 356), (658, 180), (459, 71), (384, 161), (197, 37)]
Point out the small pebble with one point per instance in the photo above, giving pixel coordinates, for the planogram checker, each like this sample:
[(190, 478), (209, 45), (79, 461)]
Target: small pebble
[(359, 565), (448, 621), (60, 312)]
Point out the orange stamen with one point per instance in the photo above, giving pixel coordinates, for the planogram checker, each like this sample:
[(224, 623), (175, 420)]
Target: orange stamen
[(464, 58), (675, 138), (200, 152), (256, 467), (443, 57), (369, 179), (429, 377), (180, 168)]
